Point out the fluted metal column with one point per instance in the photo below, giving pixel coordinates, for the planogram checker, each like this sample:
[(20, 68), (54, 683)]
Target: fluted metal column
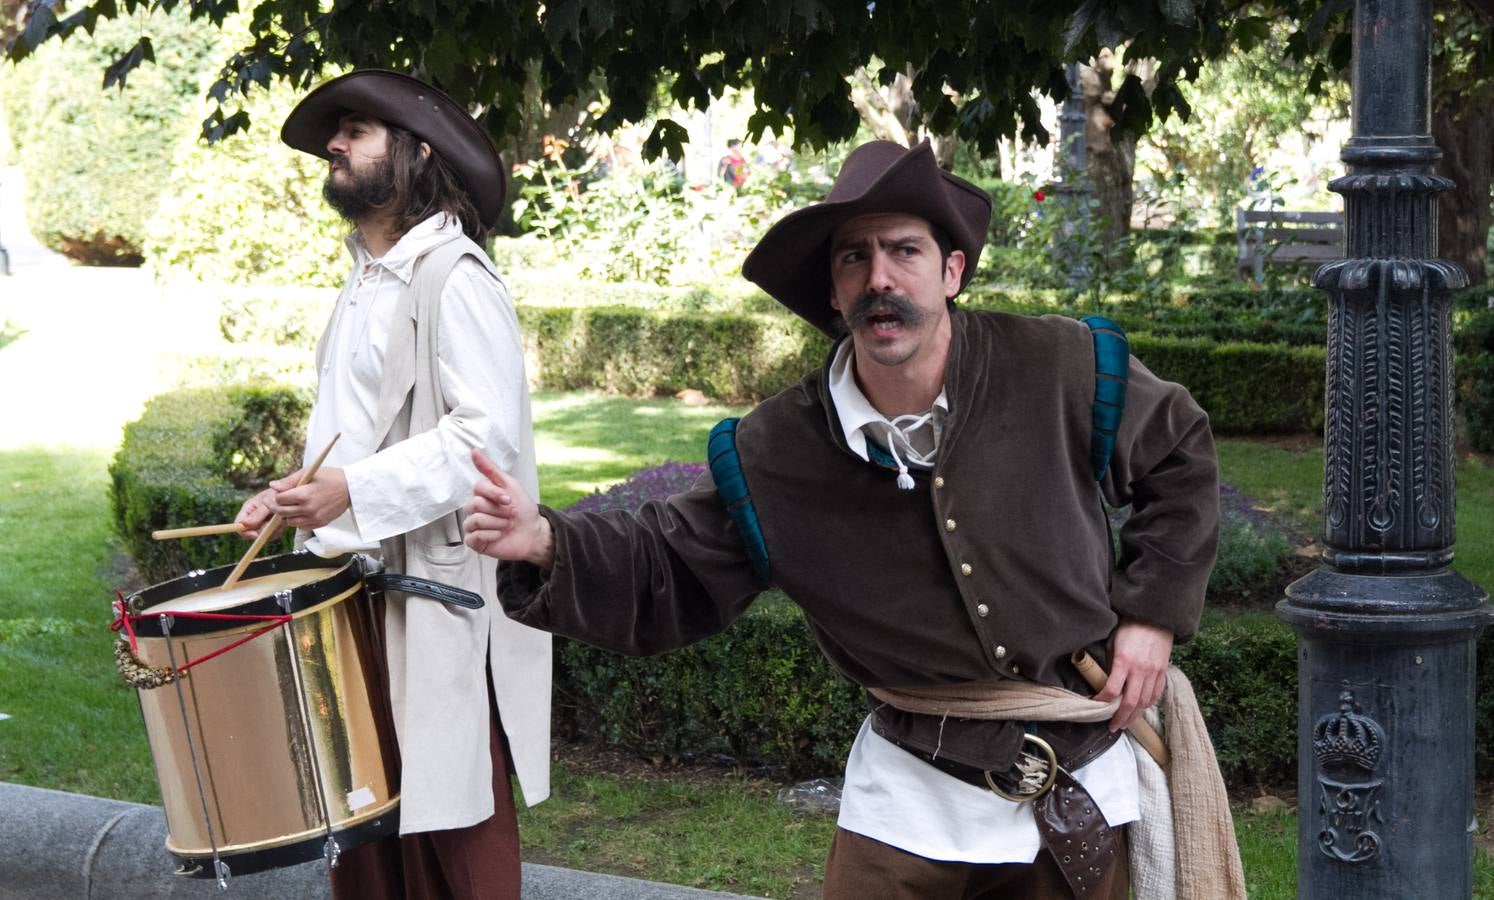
[(1386, 628), (1074, 189)]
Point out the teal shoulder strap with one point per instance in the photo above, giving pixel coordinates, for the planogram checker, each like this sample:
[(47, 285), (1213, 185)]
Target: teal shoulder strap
[(731, 485), (1112, 365)]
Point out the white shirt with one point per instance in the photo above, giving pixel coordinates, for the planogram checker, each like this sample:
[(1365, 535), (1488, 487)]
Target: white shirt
[(894, 797), (480, 358)]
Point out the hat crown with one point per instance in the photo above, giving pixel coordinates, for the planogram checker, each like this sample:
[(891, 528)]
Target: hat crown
[(864, 166)]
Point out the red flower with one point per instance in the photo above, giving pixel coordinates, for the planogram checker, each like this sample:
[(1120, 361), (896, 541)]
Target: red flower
[(1039, 196)]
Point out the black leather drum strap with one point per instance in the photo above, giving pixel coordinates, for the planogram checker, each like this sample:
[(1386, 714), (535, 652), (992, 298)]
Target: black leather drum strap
[(409, 584)]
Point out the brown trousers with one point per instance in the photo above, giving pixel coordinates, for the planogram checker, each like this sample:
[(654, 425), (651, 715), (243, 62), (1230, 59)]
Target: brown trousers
[(860, 868), (479, 862)]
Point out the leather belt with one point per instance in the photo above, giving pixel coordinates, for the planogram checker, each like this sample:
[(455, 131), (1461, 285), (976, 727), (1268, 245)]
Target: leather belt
[(1069, 822)]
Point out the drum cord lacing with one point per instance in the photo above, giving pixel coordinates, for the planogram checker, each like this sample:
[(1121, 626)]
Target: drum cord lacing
[(140, 674)]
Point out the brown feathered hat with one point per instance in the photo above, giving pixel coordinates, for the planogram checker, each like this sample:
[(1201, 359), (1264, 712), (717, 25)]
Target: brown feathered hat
[(415, 106), (792, 261)]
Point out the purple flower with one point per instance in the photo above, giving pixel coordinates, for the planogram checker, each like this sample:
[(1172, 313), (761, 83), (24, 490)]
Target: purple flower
[(652, 483)]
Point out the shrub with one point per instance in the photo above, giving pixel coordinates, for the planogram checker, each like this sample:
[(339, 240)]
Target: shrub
[(98, 161), (734, 357), (1476, 375), (171, 472), (1245, 388), (1244, 672)]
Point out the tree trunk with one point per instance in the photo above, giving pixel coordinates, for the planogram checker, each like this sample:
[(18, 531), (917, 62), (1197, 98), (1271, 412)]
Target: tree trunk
[(1110, 157), (1465, 133), (891, 113)]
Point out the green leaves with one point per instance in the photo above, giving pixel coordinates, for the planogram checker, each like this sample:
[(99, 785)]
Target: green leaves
[(668, 137), (41, 25), (119, 70)]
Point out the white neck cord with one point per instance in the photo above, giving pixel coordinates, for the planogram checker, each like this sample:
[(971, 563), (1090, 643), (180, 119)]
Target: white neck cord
[(898, 429)]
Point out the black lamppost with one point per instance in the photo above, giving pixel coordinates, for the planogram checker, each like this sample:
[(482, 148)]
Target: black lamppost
[(1386, 629), (1073, 189)]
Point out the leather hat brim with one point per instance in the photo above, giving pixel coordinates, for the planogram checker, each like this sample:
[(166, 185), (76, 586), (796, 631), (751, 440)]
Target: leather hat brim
[(792, 261), (415, 106)]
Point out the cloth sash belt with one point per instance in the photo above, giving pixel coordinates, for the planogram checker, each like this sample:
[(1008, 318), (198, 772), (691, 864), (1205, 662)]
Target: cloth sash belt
[(1183, 847)]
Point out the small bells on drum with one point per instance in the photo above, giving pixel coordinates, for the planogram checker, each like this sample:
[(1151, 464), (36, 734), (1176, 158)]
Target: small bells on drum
[(136, 673)]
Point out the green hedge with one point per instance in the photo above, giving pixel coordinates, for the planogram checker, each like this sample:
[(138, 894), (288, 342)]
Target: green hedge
[(1246, 388), (760, 691), (734, 357), (173, 470)]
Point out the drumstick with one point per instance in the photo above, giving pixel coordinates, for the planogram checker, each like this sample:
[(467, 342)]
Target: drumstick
[(198, 531), (269, 527), (1140, 729)]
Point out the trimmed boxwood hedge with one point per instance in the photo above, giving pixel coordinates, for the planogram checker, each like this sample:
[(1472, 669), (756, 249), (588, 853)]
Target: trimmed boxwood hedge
[(742, 358), (173, 470)]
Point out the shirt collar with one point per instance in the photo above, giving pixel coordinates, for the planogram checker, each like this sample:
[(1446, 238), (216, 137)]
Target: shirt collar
[(851, 406), (401, 258)]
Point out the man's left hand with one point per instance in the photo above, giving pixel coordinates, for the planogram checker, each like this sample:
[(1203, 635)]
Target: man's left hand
[(1139, 655), (313, 504)]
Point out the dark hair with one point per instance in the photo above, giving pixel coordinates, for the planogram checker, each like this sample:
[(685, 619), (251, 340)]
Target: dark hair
[(423, 185)]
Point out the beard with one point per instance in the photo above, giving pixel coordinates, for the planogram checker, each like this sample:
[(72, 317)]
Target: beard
[(359, 194), (871, 306)]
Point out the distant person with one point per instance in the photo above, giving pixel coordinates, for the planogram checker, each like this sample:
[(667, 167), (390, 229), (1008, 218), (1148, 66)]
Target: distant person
[(733, 166), (421, 365)]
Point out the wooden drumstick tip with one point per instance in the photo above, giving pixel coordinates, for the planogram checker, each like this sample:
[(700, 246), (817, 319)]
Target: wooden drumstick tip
[(1141, 729), (168, 534)]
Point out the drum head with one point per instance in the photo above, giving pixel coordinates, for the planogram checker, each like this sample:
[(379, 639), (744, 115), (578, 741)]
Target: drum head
[(306, 578)]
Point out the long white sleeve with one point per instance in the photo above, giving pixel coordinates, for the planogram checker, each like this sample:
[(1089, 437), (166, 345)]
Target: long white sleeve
[(480, 357)]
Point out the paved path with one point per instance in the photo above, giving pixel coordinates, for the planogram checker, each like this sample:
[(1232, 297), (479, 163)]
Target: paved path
[(97, 342)]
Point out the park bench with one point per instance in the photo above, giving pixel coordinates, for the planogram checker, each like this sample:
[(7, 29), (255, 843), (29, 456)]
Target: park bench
[(1280, 237)]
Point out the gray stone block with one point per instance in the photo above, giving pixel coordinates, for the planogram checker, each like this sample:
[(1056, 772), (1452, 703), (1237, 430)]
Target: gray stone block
[(60, 846)]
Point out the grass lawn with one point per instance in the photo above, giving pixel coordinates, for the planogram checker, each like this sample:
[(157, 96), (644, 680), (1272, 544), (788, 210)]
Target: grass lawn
[(74, 726)]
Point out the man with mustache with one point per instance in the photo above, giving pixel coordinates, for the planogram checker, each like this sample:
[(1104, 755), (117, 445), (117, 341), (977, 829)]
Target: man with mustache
[(420, 366), (930, 499)]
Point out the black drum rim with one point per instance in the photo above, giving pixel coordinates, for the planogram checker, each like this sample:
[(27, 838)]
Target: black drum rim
[(348, 575)]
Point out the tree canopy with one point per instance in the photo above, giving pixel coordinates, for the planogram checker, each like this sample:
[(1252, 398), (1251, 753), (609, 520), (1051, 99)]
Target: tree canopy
[(978, 63)]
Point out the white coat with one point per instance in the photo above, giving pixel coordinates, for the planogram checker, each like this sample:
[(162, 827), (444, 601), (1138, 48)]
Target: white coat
[(436, 652)]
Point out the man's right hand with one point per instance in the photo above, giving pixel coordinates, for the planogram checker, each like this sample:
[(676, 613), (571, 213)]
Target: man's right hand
[(255, 513), (504, 522)]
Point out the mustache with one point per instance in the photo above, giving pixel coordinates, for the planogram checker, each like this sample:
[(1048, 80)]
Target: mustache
[(338, 160), (874, 304)]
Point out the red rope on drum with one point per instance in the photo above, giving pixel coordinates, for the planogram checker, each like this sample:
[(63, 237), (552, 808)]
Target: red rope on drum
[(122, 621)]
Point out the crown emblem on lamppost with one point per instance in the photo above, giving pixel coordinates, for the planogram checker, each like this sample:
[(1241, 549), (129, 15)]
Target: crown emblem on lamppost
[(1348, 740), (1348, 748)]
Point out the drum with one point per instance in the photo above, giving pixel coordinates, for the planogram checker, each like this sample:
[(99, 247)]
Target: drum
[(280, 748)]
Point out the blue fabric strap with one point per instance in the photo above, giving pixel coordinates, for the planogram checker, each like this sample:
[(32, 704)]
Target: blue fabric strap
[(731, 485), (1112, 366)]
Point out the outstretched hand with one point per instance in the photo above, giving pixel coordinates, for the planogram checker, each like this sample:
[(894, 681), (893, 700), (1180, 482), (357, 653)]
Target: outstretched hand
[(503, 521), (1139, 656)]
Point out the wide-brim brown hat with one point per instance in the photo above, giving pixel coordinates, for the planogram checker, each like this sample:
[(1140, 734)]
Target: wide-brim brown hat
[(792, 261), (415, 106)]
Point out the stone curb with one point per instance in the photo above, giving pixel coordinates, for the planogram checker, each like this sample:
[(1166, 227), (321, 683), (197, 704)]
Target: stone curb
[(61, 846)]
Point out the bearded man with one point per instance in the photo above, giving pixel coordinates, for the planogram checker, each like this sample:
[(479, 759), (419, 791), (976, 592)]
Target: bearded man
[(931, 501), (420, 366)]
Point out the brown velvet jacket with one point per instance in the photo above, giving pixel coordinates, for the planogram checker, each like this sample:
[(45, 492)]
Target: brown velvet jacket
[(998, 564)]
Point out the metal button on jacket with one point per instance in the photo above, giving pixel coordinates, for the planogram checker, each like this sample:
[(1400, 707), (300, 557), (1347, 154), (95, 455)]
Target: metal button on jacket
[(949, 524), (1000, 652), (938, 481), (965, 569), (982, 610)]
